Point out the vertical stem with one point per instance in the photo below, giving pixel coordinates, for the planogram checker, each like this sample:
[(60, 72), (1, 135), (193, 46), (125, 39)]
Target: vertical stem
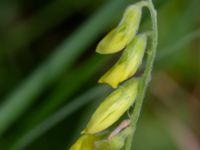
[(146, 77)]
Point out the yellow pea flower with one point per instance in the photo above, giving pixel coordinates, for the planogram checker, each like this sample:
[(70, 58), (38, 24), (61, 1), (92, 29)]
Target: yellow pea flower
[(113, 107), (120, 36), (85, 142), (128, 64)]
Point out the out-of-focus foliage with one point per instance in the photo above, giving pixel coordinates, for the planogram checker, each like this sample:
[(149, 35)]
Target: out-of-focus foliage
[(49, 72)]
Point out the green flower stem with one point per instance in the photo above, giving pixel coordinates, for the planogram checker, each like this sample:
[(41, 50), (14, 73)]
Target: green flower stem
[(147, 73)]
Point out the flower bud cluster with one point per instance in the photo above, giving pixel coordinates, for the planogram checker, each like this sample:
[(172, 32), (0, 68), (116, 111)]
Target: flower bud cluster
[(123, 37)]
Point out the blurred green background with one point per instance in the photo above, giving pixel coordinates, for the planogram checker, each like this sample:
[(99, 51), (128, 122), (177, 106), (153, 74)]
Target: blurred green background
[(49, 73)]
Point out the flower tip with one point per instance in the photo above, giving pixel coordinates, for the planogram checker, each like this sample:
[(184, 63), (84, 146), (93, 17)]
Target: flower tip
[(100, 51), (103, 51), (84, 142), (100, 81), (84, 131), (113, 85)]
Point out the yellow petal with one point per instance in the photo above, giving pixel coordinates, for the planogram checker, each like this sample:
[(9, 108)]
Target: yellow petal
[(113, 107), (119, 37), (114, 75), (128, 64), (85, 142)]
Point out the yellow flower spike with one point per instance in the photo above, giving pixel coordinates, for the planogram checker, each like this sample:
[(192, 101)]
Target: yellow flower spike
[(113, 107), (119, 37), (128, 64), (85, 142)]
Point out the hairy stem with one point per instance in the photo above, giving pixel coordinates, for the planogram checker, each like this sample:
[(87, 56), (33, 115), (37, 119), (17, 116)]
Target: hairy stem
[(147, 73)]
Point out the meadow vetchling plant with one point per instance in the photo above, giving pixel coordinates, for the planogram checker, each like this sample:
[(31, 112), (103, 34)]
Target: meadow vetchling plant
[(123, 37)]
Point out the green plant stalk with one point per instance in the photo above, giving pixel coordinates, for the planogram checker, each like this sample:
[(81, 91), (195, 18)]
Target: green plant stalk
[(146, 77)]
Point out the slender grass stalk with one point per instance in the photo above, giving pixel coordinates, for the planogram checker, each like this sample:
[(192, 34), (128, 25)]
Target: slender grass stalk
[(57, 117), (64, 90), (147, 74), (64, 56), (84, 118)]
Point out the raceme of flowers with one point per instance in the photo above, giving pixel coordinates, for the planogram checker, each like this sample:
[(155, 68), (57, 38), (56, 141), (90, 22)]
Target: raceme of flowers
[(123, 37)]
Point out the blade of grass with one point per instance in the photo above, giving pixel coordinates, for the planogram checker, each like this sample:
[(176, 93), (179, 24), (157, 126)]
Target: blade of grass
[(59, 116), (85, 116), (64, 90), (18, 101), (69, 86), (21, 34)]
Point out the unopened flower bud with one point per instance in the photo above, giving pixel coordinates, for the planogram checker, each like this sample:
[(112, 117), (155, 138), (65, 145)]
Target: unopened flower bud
[(128, 64), (85, 142), (113, 107), (120, 36)]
